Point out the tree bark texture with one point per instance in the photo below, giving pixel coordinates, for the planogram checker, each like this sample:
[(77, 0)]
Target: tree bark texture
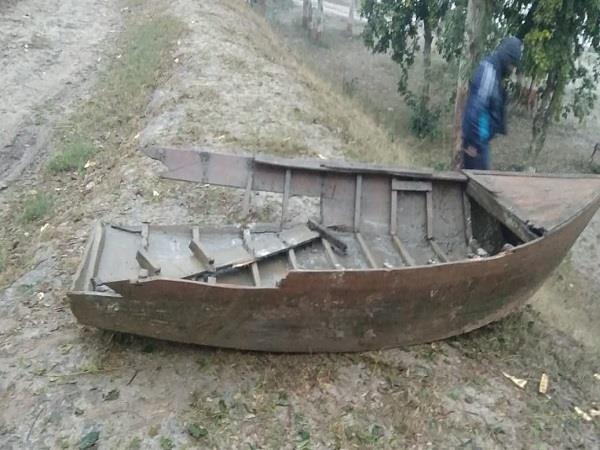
[(318, 21), (306, 13), (428, 40), (547, 108)]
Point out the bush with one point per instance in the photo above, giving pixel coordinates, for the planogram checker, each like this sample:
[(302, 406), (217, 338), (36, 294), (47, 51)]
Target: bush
[(424, 119)]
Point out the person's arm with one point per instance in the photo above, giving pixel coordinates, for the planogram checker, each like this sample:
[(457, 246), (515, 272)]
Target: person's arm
[(486, 98)]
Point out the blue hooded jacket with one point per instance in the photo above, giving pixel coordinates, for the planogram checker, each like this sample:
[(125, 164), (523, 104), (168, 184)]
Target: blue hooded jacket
[(484, 115)]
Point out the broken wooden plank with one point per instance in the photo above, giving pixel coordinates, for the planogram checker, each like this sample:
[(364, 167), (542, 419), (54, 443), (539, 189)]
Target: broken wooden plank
[(406, 257), (366, 251), (330, 255), (266, 244), (357, 202), (411, 186), (196, 248), (286, 195), (438, 251), (429, 206), (145, 262), (467, 218), (255, 274), (247, 194), (199, 253), (491, 204), (259, 246), (327, 234), (145, 232), (394, 212), (292, 259), (96, 251), (298, 235)]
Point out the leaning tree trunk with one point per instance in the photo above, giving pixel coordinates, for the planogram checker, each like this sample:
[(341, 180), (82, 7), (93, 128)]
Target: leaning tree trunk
[(476, 26), (428, 40), (350, 26), (549, 104), (306, 13), (318, 21)]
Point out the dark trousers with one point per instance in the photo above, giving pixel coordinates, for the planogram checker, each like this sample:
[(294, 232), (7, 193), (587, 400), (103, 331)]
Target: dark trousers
[(482, 161)]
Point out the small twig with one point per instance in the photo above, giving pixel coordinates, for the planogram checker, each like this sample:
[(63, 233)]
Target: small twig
[(133, 377), (33, 423)]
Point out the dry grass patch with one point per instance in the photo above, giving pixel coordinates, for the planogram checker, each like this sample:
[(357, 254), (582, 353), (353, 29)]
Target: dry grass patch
[(36, 207)]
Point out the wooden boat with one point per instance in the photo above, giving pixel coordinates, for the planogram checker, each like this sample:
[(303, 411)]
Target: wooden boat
[(392, 257)]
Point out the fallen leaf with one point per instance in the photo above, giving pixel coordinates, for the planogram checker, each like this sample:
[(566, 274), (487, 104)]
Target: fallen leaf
[(518, 381), (544, 384), (89, 440), (581, 413), (597, 376), (44, 227), (156, 193)]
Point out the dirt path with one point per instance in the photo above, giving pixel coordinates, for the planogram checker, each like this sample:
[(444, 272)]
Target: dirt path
[(48, 51)]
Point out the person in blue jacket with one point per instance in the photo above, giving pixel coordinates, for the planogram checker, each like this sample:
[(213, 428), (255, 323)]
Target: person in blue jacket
[(484, 115)]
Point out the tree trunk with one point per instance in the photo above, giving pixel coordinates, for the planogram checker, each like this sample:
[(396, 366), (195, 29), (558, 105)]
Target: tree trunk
[(476, 26), (350, 26), (549, 103), (428, 40), (261, 6), (318, 21), (306, 13)]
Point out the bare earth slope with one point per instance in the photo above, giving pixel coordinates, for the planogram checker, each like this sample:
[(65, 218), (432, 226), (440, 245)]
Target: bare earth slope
[(46, 48)]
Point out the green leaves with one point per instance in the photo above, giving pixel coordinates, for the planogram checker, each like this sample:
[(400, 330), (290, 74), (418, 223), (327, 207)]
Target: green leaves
[(196, 431), (89, 440), (558, 36)]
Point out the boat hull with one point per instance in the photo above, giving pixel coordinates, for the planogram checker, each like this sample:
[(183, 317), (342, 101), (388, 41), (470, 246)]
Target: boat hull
[(335, 311)]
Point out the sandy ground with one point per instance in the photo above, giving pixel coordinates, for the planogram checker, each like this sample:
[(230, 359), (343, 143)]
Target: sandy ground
[(229, 86), (49, 51)]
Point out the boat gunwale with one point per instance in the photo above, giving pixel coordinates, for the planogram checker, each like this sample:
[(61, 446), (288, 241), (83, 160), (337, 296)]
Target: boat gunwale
[(315, 164), (86, 257), (590, 176)]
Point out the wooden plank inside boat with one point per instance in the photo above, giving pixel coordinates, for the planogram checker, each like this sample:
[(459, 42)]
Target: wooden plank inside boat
[(544, 202)]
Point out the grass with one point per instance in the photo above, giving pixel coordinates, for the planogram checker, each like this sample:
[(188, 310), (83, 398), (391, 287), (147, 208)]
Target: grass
[(36, 207), (75, 154), (110, 117), (361, 137)]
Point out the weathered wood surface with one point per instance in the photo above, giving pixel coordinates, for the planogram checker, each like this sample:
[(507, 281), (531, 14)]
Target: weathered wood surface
[(335, 311), (544, 201), (333, 182), (500, 211), (203, 166)]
